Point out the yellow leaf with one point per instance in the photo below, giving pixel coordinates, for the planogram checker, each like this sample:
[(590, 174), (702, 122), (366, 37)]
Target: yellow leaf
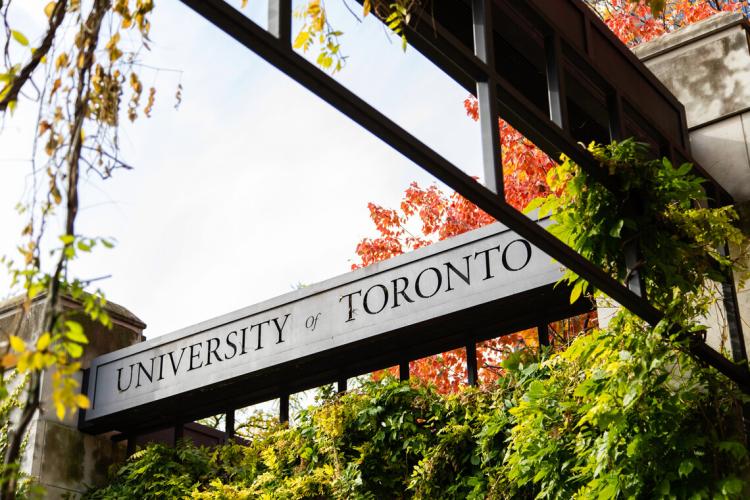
[(17, 344), (43, 341), (82, 401), (23, 363), (60, 410), (49, 359), (62, 61), (37, 361), (9, 360), (20, 37), (366, 7), (75, 332), (49, 9), (313, 8), (301, 39)]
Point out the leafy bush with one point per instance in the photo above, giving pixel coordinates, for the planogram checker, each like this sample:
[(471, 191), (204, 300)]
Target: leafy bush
[(623, 412)]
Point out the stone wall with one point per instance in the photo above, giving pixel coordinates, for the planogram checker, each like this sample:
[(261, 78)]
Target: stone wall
[(707, 67), (59, 457)]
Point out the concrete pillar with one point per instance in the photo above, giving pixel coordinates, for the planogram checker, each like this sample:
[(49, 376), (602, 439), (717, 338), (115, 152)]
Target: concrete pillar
[(56, 455), (707, 67)]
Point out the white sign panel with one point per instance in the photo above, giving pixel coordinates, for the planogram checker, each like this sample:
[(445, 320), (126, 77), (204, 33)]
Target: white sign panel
[(448, 276)]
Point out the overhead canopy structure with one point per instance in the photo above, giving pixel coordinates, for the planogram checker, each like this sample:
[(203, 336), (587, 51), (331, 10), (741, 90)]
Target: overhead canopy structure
[(550, 68), (553, 71)]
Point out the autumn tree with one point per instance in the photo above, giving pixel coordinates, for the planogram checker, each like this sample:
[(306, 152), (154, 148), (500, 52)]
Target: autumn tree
[(525, 167), (635, 22), (81, 73)]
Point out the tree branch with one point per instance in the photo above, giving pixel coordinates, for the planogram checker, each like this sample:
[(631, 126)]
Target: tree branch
[(53, 308), (56, 19)]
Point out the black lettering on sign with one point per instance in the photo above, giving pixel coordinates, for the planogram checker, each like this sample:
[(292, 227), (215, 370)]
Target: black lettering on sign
[(232, 345), (465, 277), (119, 379), (194, 355), (161, 367), (146, 374), (244, 335), (402, 292), (351, 308), (487, 267), (260, 332), (526, 246), (418, 287), (279, 329), (367, 294), (212, 350), (175, 367)]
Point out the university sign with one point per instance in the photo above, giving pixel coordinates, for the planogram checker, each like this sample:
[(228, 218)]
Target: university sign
[(449, 276)]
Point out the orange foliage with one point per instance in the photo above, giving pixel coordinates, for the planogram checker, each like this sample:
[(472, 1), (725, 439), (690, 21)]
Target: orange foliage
[(525, 166), (426, 215), (438, 216), (634, 23)]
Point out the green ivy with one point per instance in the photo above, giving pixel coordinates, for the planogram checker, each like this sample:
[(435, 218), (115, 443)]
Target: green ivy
[(660, 206), (624, 412)]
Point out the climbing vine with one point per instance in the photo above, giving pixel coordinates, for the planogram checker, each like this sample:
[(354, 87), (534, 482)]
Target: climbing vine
[(624, 412)]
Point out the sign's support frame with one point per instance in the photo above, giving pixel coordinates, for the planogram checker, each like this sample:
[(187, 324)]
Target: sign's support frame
[(497, 97)]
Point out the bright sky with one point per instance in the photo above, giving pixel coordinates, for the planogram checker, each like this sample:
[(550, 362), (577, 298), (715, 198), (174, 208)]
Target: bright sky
[(254, 185)]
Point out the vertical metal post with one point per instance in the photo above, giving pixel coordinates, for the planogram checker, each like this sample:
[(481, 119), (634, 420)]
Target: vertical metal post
[(734, 321), (179, 432), (631, 249), (131, 444), (280, 20), (558, 106), (403, 371), (284, 408), (472, 371), (543, 333), (341, 384), (229, 424), (616, 118), (487, 97)]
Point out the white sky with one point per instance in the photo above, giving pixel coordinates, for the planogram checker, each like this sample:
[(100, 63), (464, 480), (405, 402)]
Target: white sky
[(254, 184)]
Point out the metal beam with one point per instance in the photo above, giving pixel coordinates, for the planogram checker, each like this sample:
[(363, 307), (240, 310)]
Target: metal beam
[(403, 371), (229, 424), (248, 33), (472, 371), (543, 334), (558, 108), (280, 21), (514, 107), (284, 408), (487, 96)]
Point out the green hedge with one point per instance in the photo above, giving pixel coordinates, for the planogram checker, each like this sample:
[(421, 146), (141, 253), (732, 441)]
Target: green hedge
[(621, 413)]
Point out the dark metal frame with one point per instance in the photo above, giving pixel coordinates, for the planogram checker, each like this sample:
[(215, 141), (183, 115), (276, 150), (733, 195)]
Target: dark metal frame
[(573, 39)]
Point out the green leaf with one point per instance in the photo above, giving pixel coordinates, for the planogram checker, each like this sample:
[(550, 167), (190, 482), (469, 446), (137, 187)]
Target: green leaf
[(630, 396), (534, 204), (536, 390), (732, 486), (75, 332), (685, 468), (75, 350), (575, 294), (615, 231)]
